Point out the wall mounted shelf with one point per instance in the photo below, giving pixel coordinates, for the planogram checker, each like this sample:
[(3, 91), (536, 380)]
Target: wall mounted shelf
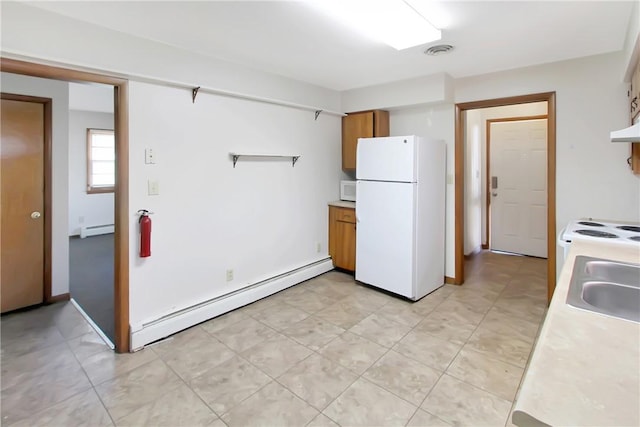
[(236, 156)]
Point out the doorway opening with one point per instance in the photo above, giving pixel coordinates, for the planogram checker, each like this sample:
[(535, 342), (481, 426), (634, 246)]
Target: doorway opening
[(462, 177), (121, 214), (91, 204)]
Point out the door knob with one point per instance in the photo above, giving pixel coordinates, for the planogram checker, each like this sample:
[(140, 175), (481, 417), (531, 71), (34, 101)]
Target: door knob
[(35, 215)]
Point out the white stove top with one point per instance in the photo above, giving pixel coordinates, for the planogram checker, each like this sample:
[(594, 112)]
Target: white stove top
[(608, 231)]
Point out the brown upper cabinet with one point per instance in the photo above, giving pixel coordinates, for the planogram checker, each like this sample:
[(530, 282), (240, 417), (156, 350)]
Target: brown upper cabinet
[(363, 124), (634, 93)]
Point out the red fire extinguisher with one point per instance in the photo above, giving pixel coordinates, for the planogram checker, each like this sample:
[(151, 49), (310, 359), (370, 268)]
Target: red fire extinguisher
[(145, 233)]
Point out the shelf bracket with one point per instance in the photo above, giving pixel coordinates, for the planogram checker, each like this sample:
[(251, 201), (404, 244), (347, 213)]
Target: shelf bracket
[(294, 159), (235, 159), (194, 93), (316, 117)]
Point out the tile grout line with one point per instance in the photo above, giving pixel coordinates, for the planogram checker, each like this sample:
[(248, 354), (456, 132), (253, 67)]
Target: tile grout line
[(189, 387), (464, 344), (313, 351), (93, 386), (361, 376)]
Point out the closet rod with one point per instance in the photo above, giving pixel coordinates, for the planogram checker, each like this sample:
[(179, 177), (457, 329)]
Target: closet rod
[(194, 90)]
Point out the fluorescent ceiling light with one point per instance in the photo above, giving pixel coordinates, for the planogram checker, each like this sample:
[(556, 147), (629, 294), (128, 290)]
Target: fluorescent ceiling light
[(393, 22)]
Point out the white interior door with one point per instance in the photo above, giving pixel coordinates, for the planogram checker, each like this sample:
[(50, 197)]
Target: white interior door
[(385, 214), (518, 186)]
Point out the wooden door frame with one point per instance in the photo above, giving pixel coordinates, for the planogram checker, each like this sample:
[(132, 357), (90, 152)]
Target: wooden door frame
[(121, 193), (488, 163), (461, 108), (46, 154)]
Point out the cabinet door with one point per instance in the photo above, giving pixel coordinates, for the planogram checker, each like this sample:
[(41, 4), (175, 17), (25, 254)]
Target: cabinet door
[(634, 112), (345, 245), (354, 126), (332, 232), (381, 123), (634, 97)]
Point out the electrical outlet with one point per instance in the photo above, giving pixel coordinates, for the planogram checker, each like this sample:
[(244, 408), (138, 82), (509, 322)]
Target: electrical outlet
[(149, 156), (318, 247), (229, 275), (81, 219)]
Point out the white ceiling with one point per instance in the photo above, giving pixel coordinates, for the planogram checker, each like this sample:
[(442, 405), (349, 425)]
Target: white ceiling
[(294, 39)]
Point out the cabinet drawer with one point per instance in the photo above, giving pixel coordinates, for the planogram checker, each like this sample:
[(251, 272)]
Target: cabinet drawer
[(346, 215)]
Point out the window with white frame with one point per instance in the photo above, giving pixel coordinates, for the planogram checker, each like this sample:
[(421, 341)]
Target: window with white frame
[(101, 177)]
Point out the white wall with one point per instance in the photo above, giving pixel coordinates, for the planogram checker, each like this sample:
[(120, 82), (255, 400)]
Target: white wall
[(592, 176), (433, 89), (91, 97), (592, 179), (473, 178), (32, 32), (86, 209), (59, 93), (261, 218), (435, 122), (632, 42)]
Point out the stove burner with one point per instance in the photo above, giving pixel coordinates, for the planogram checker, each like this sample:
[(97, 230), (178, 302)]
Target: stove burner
[(635, 238), (597, 233), (591, 224), (633, 228)]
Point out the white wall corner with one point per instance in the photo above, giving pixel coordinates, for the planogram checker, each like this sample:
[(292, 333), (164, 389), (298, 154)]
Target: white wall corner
[(415, 92), (449, 88)]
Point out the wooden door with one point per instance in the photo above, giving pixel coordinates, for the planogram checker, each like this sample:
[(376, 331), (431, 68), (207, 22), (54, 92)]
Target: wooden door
[(22, 203), (518, 186)]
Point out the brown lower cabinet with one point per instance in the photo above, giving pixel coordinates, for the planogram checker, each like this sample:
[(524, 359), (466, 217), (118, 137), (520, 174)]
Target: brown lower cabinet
[(342, 237)]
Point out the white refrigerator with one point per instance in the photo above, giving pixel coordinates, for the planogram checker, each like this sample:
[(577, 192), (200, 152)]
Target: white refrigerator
[(400, 206)]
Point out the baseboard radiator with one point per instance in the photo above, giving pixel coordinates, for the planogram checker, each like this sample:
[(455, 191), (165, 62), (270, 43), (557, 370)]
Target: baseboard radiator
[(96, 230), (164, 326)]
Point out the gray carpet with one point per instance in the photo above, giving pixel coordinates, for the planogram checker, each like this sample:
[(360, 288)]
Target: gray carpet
[(91, 269)]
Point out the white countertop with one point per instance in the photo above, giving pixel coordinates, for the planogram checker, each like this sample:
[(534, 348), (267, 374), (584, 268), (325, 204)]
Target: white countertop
[(343, 204), (585, 367)]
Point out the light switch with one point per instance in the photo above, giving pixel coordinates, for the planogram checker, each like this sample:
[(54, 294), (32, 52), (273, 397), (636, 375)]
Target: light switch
[(153, 187), (149, 156)]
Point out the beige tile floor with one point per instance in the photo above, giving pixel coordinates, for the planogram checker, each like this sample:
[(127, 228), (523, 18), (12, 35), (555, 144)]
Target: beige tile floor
[(326, 352)]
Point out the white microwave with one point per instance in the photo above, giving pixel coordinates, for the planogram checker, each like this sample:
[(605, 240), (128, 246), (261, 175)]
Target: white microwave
[(348, 191)]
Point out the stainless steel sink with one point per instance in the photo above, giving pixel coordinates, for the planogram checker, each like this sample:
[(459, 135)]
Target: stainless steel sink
[(607, 287)]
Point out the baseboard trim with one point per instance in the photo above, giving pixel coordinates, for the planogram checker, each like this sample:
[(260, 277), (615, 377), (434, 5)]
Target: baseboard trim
[(170, 324), (449, 280), (476, 251), (57, 298), (485, 246), (95, 327)]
